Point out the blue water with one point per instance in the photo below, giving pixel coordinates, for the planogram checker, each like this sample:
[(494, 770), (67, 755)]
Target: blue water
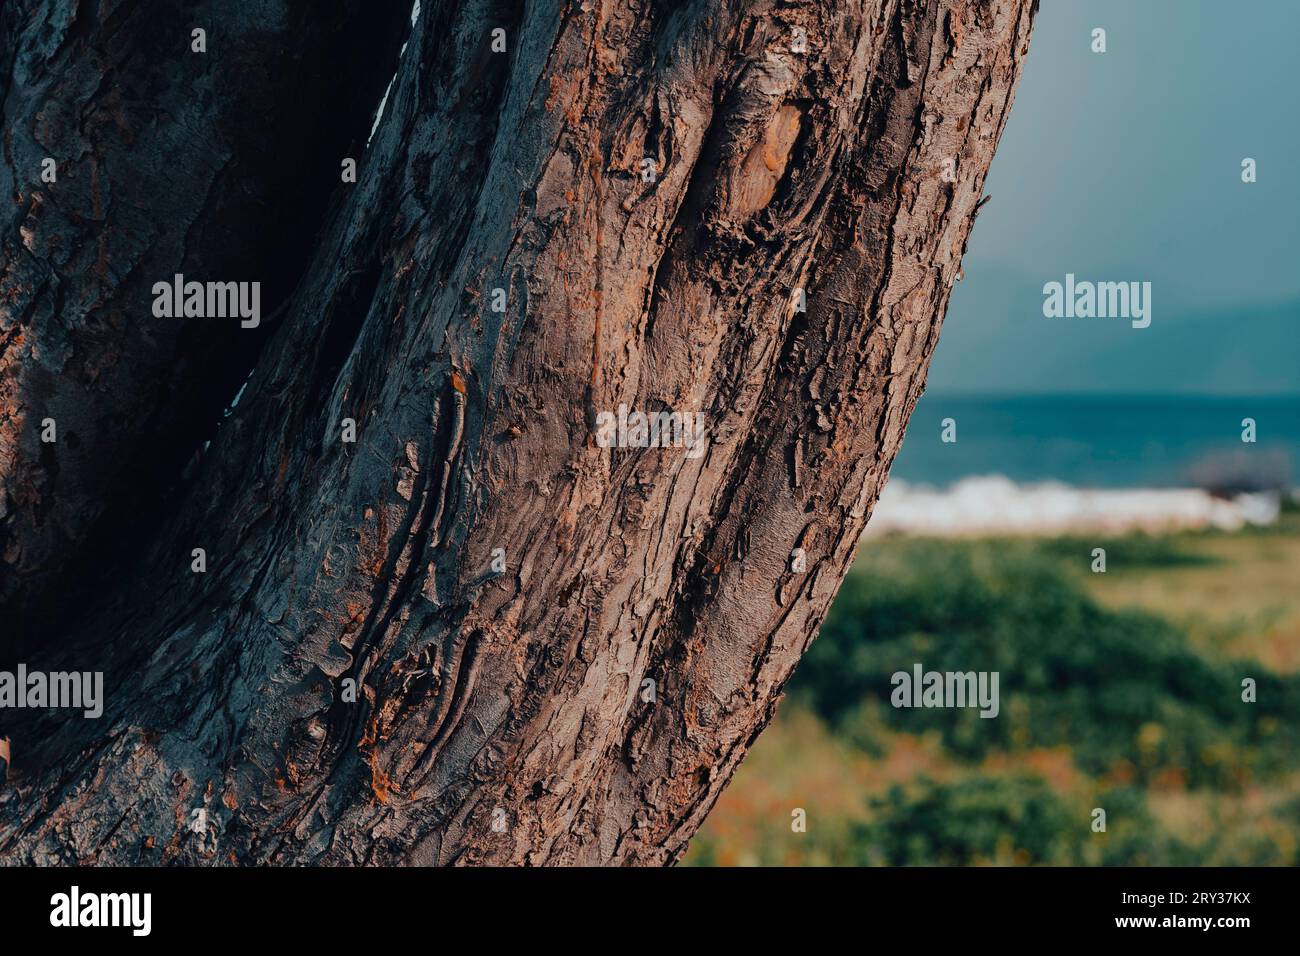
[(1105, 441)]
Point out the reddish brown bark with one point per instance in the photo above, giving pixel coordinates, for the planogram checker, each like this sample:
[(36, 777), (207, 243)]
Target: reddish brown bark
[(503, 716)]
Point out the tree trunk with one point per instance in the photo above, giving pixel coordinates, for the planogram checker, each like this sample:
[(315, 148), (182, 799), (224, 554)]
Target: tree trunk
[(782, 267), (216, 165)]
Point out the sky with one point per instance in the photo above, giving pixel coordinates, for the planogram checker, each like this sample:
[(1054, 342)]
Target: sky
[(1126, 166)]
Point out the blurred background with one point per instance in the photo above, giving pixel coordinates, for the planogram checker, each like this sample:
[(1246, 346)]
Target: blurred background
[(1120, 690)]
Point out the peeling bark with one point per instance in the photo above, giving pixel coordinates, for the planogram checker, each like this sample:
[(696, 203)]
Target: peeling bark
[(501, 716), (216, 165)]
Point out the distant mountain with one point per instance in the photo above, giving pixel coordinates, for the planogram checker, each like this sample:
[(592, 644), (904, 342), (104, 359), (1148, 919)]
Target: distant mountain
[(996, 339)]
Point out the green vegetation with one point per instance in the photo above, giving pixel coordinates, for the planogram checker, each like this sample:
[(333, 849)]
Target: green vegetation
[(1011, 820), (1107, 700)]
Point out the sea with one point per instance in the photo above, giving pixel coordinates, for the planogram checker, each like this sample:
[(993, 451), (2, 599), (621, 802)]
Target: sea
[(1105, 441)]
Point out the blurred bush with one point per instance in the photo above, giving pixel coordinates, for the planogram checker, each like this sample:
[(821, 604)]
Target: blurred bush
[(1125, 690), (1014, 820), (1099, 708)]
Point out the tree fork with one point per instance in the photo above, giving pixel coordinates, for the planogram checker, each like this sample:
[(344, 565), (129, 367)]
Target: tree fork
[(587, 704)]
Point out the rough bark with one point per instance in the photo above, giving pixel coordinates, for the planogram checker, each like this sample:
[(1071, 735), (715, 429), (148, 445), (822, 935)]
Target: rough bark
[(215, 164), (516, 698)]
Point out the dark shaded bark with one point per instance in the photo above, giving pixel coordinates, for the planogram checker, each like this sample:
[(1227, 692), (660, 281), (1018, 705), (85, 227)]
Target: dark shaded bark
[(216, 165), (515, 699)]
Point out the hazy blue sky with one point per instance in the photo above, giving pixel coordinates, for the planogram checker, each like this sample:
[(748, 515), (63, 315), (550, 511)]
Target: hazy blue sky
[(1126, 165)]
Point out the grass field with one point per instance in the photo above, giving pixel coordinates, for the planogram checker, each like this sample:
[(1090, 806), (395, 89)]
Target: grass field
[(1237, 593), (1120, 691)]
